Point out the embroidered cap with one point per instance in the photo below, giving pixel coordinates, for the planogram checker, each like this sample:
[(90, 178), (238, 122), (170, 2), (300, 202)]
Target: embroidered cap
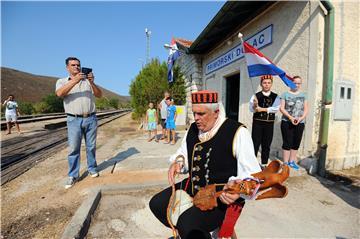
[(266, 77), (204, 97)]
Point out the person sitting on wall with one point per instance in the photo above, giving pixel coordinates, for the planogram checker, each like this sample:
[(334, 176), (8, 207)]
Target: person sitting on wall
[(215, 150)]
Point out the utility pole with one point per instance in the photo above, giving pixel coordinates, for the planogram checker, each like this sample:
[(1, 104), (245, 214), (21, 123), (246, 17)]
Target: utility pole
[(142, 63), (148, 33)]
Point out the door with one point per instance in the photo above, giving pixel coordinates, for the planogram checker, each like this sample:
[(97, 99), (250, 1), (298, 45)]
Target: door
[(232, 96)]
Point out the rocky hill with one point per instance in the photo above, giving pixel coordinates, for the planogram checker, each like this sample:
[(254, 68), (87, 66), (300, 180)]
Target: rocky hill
[(32, 88)]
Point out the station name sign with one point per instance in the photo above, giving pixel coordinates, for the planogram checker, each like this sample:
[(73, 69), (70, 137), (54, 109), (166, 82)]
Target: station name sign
[(258, 41)]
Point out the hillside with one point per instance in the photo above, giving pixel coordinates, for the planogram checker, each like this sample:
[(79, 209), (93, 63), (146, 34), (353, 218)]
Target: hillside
[(32, 88)]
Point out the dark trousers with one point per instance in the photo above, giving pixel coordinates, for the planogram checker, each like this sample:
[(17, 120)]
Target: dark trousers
[(262, 134), (291, 135), (193, 223)]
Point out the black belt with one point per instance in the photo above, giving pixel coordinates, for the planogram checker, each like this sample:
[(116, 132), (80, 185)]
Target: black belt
[(82, 116)]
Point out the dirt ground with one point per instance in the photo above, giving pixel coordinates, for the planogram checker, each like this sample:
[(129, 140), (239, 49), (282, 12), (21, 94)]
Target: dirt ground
[(36, 205)]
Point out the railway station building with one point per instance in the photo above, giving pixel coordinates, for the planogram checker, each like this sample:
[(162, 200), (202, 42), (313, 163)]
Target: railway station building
[(316, 40)]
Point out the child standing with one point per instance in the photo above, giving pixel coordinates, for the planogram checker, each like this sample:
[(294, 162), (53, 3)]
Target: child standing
[(294, 108), (151, 119), (170, 120)]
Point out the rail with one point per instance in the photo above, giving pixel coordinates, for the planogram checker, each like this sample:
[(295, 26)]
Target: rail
[(21, 153), (42, 117)]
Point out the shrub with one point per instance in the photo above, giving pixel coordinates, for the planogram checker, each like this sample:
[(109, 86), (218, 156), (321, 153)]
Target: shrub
[(151, 83)]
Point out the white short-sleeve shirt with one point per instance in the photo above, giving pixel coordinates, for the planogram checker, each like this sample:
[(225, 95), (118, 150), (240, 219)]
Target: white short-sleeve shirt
[(80, 99)]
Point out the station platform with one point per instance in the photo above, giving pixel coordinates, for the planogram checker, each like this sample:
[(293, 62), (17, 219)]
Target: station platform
[(120, 210)]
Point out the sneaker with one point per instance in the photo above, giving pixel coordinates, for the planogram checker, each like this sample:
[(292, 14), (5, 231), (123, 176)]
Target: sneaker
[(70, 182), (94, 174), (293, 165)]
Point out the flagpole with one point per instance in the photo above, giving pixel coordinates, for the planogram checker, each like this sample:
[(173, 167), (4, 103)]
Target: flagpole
[(240, 35)]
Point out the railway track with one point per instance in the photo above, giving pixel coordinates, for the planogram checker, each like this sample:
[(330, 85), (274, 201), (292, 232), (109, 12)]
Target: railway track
[(21, 153)]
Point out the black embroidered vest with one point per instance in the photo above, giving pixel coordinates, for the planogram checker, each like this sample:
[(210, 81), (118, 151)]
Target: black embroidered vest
[(265, 102), (211, 161)]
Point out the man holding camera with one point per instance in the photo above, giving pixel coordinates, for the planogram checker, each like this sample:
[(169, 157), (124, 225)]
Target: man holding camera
[(78, 91), (11, 113)]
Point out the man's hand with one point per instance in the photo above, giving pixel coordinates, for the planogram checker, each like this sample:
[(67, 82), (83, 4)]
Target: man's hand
[(91, 77), (173, 170), (228, 198), (78, 77)]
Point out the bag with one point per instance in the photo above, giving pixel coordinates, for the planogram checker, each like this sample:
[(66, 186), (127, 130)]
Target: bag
[(182, 201)]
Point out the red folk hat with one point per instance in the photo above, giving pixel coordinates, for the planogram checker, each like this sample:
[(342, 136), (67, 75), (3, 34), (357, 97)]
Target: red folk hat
[(204, 97), (266, 77)]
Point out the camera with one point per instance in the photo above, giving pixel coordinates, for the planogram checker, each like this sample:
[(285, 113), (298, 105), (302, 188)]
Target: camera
[(86, 70)]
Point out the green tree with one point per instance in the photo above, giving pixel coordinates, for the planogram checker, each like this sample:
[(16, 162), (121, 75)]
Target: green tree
[(177, 88), (101, 103), (26, 108), (40, 107), (114, 103), (104, 103), (151, 83), (53, 103)]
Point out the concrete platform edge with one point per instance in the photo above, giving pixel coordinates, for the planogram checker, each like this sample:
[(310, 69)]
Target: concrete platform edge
[(80, 222), (78, 226)]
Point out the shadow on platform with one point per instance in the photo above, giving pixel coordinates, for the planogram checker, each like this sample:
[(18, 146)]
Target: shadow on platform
[(118, 158), (343, 188)]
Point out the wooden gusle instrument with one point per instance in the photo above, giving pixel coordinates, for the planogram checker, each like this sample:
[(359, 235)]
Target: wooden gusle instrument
[(264, 184), (270, 180)]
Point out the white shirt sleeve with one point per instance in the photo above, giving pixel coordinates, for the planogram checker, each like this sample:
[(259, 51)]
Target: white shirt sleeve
[(275, 107), (251, 104), (181, 151), (243, 150), (60, 83)]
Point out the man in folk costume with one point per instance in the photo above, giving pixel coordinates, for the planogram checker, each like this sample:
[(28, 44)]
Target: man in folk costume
[(264, 104), (215, 150)]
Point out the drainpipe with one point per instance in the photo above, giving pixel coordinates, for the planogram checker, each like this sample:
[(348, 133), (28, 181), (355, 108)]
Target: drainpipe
[(327, 85)]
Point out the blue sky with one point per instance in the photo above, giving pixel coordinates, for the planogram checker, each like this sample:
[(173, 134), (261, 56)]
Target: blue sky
[(107, 36)]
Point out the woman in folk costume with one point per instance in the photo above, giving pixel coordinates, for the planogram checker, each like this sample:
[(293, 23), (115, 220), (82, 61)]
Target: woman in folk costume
[(215, 150)]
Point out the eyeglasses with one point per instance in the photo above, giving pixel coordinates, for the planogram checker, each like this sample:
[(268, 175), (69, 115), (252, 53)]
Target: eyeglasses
[(75, 64)]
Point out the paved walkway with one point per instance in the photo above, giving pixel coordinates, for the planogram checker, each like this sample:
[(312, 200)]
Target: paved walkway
[(313, 208)]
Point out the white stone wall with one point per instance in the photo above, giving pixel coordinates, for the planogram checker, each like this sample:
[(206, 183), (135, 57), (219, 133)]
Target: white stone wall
[(289, 50), (191, 68), (343, 149), (297, 48)]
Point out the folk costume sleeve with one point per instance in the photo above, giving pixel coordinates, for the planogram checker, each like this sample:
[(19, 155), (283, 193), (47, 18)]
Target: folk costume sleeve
[(251, 104), (275, 107), (243, 150)]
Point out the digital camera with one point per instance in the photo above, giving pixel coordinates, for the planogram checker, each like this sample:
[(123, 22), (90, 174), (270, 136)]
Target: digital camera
[(86, 70)]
